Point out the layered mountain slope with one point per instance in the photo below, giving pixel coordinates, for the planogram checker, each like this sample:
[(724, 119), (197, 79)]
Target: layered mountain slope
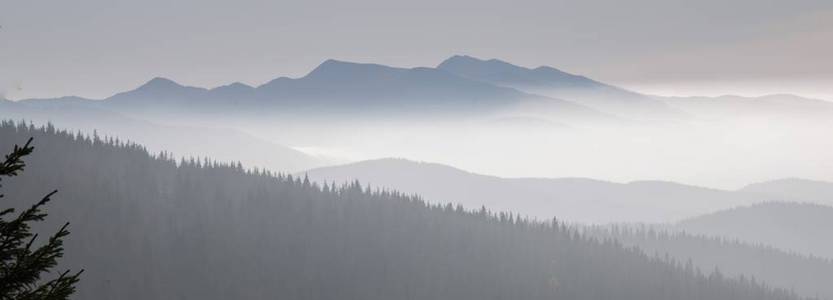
[(573, 199), (590, 200)]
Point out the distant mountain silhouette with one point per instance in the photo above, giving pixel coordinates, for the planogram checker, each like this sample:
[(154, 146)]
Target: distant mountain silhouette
[(803, 228), (345, 87), (573, 199), (160, 92), (333, 82), (458, 87), (552, 82)]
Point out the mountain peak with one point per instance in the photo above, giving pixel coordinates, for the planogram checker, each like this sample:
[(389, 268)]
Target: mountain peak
[(337, 69), (331, 63), (157, 89), (237, 86), (466, 61), (160, 82), (339, 64), (461, 58)]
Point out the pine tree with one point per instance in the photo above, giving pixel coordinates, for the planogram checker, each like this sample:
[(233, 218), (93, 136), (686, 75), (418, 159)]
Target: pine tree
[(21, 262)]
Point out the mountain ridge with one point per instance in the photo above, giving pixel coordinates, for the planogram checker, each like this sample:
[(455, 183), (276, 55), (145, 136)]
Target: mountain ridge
[(552, 82), (347, 87), (496, 70), (473, 87)]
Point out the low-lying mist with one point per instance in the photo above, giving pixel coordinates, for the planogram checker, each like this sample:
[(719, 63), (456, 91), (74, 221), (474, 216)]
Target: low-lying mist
[(721, 153), (720, 150)]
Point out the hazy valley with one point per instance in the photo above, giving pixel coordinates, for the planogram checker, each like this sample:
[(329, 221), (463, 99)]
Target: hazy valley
[(474, 179)]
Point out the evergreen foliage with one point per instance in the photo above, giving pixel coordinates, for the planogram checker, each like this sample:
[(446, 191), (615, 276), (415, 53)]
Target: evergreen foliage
[(21, 262)]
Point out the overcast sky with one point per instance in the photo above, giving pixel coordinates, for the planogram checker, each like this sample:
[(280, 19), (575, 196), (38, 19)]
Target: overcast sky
[(94, 48)]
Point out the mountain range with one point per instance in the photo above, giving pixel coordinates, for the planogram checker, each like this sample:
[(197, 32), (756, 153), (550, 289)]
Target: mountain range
[(459, 87), (338, 87)]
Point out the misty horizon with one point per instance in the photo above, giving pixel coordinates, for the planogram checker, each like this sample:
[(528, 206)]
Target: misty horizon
[(376, 149)]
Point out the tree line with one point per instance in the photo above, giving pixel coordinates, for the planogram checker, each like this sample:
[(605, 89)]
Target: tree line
[(807, 275)]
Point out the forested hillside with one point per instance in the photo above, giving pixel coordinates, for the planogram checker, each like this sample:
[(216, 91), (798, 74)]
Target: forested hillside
[(807, 275), (146, 227)]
